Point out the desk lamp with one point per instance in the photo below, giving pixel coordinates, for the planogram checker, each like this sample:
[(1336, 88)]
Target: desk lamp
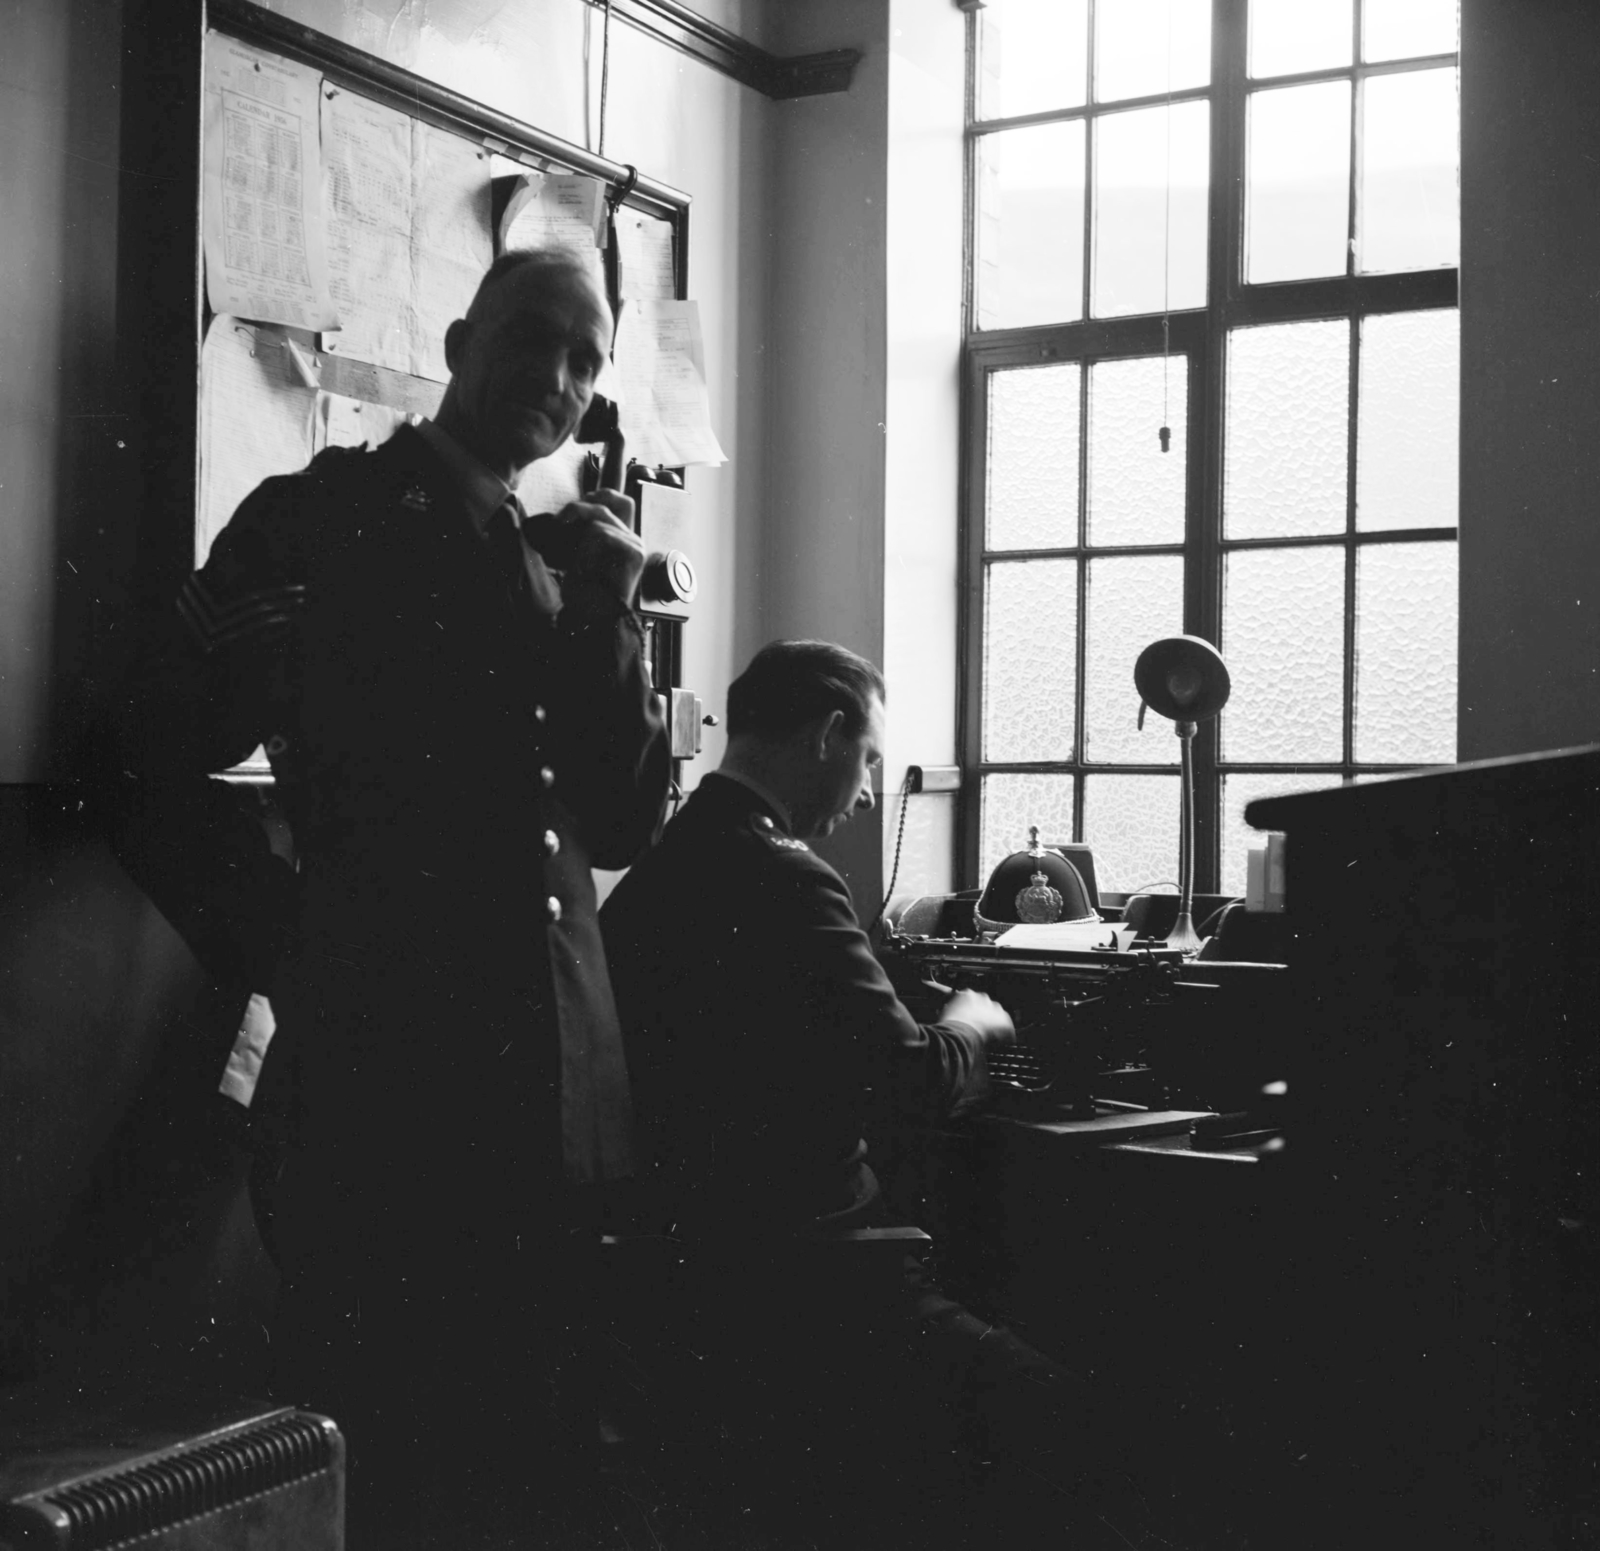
[(1184, 678)]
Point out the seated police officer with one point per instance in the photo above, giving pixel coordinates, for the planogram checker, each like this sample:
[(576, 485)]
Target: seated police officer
[(755, 1018), (763, 1041)]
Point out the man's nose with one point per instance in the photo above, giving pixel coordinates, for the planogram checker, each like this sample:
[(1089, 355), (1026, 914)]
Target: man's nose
[(864, 797)]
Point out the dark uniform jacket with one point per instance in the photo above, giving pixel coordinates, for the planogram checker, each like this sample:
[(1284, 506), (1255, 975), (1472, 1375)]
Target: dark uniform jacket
[(454, 759), (757, 1021)]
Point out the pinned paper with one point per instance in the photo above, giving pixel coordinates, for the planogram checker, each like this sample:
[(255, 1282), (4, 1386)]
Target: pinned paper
[(255, 420), (408, 232), (645, 265), (262, 204), (661, 384), (555, 210), (346, 422)]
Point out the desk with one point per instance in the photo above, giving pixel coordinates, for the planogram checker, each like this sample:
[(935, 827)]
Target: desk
[(1111, 1125), (1140, 1266), (1439, 1238)]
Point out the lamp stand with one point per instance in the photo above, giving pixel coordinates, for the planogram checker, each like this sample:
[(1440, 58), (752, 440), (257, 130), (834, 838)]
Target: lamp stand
[(1183, 935)]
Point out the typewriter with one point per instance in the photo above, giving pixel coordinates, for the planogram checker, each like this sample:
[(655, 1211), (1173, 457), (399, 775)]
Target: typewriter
[(1125, 1022)]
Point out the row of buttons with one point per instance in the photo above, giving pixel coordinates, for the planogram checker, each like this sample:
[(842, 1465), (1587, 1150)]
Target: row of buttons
[(552, 841)]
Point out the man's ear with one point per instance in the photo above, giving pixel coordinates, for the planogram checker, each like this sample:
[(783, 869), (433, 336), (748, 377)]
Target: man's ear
[(455, 341), (827, 732)]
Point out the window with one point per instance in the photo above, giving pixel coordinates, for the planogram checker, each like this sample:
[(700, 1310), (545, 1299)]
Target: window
[(1212, 387)]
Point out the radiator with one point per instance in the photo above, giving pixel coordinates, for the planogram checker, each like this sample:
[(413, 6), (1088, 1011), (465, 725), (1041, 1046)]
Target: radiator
[(266, 1479)]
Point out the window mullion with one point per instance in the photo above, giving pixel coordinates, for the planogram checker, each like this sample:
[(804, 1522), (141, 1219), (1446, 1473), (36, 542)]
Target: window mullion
[(969, 728), (1353, 420), (1207, 377)]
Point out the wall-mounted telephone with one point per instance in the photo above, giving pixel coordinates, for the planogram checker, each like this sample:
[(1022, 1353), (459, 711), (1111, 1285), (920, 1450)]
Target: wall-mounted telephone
[(668, 586)]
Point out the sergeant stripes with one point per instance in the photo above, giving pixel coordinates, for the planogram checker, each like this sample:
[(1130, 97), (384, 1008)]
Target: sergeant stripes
[(216, 622)]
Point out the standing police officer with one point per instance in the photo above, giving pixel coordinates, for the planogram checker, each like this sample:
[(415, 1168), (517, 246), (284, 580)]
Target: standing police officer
[(459, 732)]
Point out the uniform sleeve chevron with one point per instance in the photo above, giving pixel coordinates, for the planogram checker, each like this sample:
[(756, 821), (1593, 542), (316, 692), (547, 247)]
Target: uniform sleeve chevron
[(218, 618)]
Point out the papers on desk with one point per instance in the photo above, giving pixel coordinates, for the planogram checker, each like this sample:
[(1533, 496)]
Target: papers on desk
[(1069, 937)]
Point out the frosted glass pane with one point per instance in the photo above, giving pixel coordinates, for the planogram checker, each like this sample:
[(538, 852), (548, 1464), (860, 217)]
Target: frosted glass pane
[(1287, 440), (1137, 220), (1143, 47), (1011, 803), (1408, 29), (1283, 639), (1409, 211), (1135, 489), (1297, 194), (1132, 601), (1030, 660), (1406, 613), (1131, 823), (1408, 426), (1238, 792), (1035, 56), (1029, 240), (1287, 36), (1034, 426)]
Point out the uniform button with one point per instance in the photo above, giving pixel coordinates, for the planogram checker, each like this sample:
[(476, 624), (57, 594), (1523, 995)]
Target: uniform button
[(547, 777), (540, 714), (552, 909), (552, 842)]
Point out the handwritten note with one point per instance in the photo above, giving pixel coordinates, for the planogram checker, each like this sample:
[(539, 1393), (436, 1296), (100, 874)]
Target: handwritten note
[(660, 361), (262, 199)]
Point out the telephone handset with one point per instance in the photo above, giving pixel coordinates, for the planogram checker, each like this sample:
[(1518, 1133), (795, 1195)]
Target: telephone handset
[(669, 578), (554, 539)]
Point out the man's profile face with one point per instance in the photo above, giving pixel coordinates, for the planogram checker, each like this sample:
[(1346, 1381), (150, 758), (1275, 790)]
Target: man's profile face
[(843, 776), (526, 364)]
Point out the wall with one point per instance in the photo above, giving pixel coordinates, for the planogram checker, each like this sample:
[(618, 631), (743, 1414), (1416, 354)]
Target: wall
[(62, 541), (860, 517), (822, 560), (1530, 377), (927, 114)]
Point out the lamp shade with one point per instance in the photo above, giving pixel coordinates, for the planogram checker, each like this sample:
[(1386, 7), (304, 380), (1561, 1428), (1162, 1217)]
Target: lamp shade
[(1182, 677)]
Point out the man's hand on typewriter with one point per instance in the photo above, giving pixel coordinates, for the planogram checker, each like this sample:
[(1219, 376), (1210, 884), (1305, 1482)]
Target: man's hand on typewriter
[(983, 1013)]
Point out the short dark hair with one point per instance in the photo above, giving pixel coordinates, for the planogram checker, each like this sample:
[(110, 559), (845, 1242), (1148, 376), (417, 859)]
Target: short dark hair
[(790, 683), (553, 263)]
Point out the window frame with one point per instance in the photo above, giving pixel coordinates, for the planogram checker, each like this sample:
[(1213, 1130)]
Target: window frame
[(1200, 336)]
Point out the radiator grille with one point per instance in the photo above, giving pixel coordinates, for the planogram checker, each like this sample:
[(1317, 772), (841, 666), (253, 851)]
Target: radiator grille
[(143, 1498)]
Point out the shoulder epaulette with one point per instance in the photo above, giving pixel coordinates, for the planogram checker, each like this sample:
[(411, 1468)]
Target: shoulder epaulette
[(763, 825)]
